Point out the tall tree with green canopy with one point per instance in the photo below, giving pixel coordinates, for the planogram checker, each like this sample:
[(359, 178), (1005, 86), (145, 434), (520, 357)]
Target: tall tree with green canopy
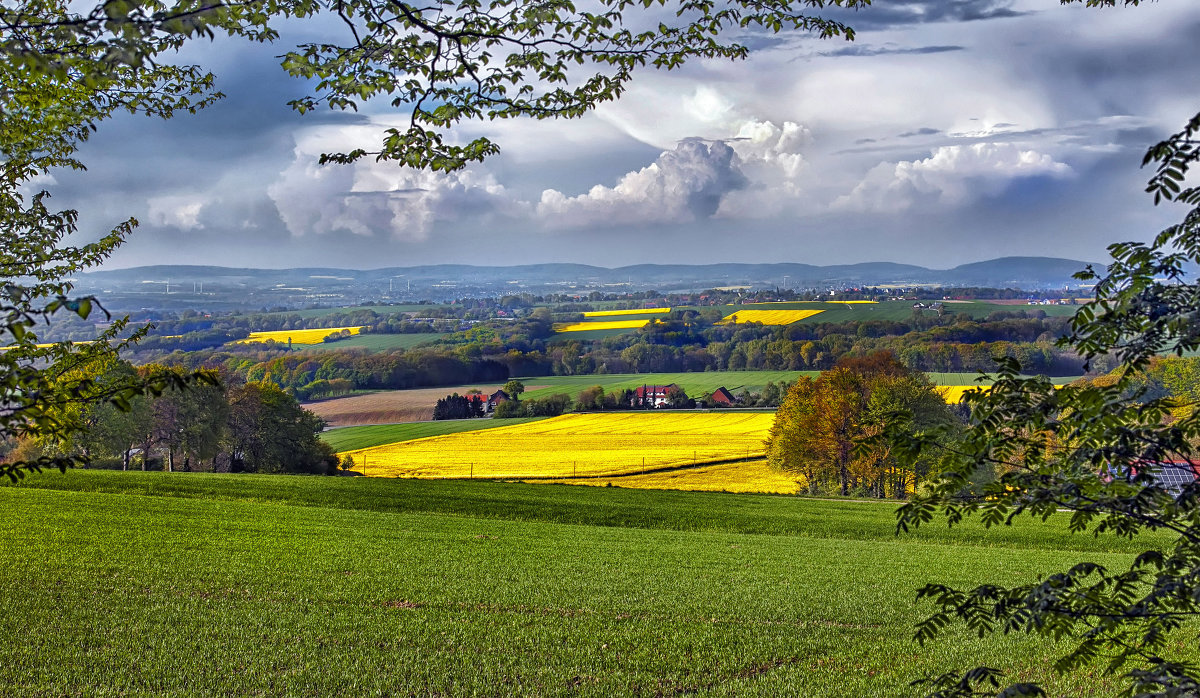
[(1091, 450)]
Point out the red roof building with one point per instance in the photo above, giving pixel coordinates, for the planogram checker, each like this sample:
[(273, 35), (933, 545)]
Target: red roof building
[(650, 395), (1172, 476), (495, 399), (722, 397)]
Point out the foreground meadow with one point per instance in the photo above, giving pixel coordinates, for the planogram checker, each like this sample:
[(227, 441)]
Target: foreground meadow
[(141, 584), (592, 445)]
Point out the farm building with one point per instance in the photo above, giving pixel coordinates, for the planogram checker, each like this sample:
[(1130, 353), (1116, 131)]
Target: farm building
[(650, 395), (1173, 475), (722, 397), (495, 399)]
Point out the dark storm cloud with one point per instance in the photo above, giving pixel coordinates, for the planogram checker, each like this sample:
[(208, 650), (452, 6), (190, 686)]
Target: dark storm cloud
[(905, 12), (859, 50), (920, 132)]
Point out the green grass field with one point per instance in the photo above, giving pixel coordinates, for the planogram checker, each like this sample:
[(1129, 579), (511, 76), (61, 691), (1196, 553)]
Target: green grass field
[(351, 438), (145, 584), (698, 384), (588, 335), (376, 342), (695, 384), (970, 378)]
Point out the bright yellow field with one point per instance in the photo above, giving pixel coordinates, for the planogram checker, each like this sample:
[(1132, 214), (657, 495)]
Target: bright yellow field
[(954, 393), (609, 325), (769, 317), (851, 301), (297, 336), (641, 311), (574, 444), (752, 476)]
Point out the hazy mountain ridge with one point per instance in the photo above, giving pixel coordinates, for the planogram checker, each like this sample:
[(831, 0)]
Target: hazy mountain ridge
[(1024, 272)]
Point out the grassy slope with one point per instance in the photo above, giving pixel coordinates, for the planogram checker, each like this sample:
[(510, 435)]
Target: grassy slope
[(377, 342), (696, 384), (145, 584), (588, 335), (350, 438)]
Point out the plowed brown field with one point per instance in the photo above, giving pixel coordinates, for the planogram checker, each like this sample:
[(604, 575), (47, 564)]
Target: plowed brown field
[(389, 407)]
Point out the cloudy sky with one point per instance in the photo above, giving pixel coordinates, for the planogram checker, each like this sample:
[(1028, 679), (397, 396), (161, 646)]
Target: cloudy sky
[(950, 131)]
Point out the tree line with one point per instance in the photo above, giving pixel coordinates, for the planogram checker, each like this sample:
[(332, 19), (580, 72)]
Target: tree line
[(230, 426), (686, 342)]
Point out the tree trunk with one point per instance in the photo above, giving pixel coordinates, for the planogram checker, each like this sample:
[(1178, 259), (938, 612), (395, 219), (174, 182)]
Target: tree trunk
[(125, 460), (170, 460)]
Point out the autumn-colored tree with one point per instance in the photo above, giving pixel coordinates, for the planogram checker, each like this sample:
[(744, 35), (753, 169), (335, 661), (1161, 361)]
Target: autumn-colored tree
[(826, 429)]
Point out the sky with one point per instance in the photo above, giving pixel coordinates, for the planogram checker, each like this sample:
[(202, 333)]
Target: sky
[(949, 131)]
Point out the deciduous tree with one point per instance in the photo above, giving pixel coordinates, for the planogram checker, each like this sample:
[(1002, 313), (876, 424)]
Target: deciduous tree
[(1091, 450), (825, 429)]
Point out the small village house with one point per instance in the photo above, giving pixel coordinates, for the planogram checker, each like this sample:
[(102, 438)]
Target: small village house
[(495, 399), (650, 395), (722, 397)]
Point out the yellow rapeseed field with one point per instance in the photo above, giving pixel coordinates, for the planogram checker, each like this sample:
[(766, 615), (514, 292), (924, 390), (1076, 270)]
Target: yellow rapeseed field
[(851, 301), (574, 445), (768, 317), (603, 325), (297, 336), (749, 476), (637, 311), (954, 393)]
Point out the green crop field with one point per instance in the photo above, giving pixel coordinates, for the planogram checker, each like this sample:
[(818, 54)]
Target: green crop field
[(588, 335), (146, 584), (969, 378), (351, 438), (698, 384), (694, 384), (376, 342)]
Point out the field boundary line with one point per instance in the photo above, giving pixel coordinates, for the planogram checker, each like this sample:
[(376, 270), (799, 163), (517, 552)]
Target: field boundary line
[(647, 471)]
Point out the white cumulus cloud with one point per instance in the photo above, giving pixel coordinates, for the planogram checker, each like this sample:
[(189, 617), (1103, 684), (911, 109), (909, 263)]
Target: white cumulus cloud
[(684, 184), (369, 198), (176, 210), (952, 175)]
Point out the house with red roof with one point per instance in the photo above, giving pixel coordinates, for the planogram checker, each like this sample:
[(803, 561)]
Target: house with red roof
[(495, 399), (650, 395), (722, 397)]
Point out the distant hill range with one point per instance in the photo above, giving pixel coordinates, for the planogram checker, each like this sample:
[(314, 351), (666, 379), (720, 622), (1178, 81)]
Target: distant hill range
[(1007, 272)]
